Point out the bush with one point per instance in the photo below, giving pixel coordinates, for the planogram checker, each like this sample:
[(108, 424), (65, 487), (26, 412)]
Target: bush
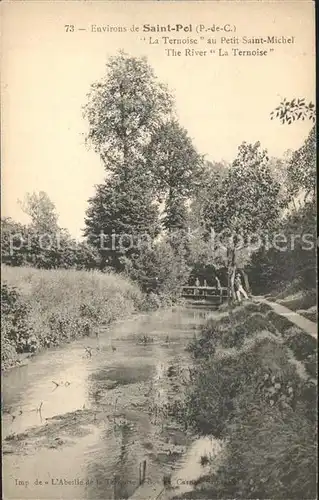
[(310, 313), (282, 323), (16, 329), (161, 269), (9, 355)]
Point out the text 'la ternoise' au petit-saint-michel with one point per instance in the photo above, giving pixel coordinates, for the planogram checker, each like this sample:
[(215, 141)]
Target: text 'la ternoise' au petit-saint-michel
[(196, 29)]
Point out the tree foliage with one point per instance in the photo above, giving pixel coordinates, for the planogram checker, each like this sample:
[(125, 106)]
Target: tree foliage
[(272, 269), (164, 264), (41, 211), (42, 243), (246, 205), (174, 160), (302, 168), (176, 167), (121, 216), (296, 109), (247, 201), (124, 109)]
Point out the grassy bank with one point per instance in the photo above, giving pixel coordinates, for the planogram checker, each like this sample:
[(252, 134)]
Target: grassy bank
[(43, 308), (249, 388), (298, 298)]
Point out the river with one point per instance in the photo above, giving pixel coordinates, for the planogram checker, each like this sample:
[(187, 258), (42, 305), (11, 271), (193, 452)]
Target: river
[(79, 420)]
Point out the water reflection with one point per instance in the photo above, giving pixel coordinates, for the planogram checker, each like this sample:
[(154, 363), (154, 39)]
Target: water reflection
[(198, 461), (51, 384), (123, 388)]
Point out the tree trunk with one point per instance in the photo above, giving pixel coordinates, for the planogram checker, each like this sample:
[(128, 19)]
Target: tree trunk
[(246, 280), (231, 263)]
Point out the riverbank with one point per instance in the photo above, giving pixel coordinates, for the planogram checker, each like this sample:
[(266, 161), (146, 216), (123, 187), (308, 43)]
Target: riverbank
[(252, 387), (298, 298), (69, 414), (46, 308)]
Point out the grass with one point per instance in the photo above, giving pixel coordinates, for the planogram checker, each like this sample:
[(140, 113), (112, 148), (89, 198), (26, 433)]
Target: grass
[(303, 299), (310, 313), (245, 389), (282, 323), (297, 298), (61, 305), (304, 348)]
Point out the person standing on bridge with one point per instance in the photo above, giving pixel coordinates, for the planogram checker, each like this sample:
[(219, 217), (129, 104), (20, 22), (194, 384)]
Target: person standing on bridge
[(239, 289), (218, 288), (218, 285), (197, 284)]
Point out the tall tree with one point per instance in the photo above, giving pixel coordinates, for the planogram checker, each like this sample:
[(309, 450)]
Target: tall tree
[(302, 169), (208, 182), (247, 205), (121, 217), (176, 167), (147, 155), (41, 211), (123, 111), (302, 165)]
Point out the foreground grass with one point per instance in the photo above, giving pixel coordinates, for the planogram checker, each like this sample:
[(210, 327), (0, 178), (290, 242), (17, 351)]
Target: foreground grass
[(299, 299), (42, 308), (246, 390)]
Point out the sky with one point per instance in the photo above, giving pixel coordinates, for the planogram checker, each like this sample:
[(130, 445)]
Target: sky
[(221, 101)]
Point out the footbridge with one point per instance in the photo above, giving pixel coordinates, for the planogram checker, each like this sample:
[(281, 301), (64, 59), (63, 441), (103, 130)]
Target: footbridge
[(209, 294)]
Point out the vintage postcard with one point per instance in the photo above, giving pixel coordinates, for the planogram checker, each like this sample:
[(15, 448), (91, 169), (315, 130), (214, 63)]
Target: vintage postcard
[(158, 230)]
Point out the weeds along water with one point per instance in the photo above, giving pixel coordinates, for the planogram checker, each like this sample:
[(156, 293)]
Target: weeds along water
[(246, 389), (44, 308)]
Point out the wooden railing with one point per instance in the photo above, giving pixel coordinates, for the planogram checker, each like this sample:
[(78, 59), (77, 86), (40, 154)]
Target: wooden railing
[(210, 293)]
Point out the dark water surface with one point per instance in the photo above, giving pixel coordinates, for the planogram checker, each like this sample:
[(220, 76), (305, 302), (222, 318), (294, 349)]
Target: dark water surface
[(106, 398)]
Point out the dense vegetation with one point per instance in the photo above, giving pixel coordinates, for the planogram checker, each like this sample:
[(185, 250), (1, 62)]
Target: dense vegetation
[(246, 388), (164, 214), (43, 308)]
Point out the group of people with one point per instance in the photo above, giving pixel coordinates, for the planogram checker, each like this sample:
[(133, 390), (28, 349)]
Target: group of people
[(217, 283), (238, 286)]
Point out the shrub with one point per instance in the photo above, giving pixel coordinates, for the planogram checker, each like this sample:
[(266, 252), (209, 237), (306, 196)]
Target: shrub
[(161, 269), (15, 321)]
